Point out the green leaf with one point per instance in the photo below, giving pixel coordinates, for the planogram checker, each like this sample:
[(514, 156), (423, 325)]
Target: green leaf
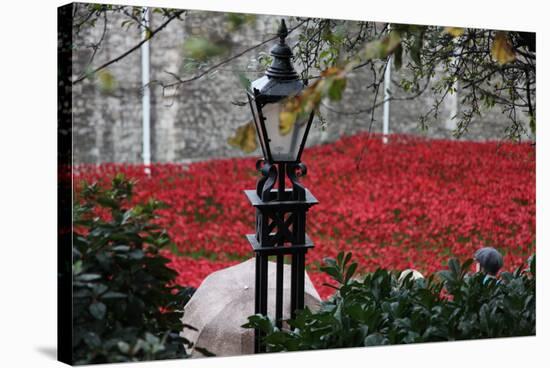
[(121, 248), (375, 340), (397, 58), (333, 272), (108, 202), (330, 262), (454, 266), (107, 81), (92, 340), (201, 49), (136, 254), (244, 81), (151, 339), (381, 48), (123, 347), (415, 51), (347, 258), (236, 20), (350, 272), (259, 321), (391, 42), (336, 89), (98, 310), (99, 288), (466, 266), (113, 295), (340, 258), (77, 267), (446, 275), (88, 277)]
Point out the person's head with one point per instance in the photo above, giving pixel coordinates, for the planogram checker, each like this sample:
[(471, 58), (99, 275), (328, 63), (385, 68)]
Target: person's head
[(489, 259)]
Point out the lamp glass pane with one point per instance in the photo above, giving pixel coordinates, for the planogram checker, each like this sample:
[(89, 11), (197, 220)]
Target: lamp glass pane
[(257, 124), (284, 146)]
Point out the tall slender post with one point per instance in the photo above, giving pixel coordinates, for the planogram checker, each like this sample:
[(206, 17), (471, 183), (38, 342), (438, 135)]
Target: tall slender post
[(146, 98), (387, 96), (279, 292), (300, 282), (293, 283), (257, 299), (281, 188), (263, 294)]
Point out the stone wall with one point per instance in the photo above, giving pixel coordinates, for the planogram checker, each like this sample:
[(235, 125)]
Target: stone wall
[(195, 121)]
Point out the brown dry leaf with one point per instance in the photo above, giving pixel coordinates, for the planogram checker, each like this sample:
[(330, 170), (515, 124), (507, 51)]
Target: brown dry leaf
[(286, 121), (502, 51), (454, 31), (381, 48), (332, 71), (244, 138)]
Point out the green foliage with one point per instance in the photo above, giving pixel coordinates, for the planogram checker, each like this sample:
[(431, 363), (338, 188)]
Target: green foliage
[(201, 49), (236, 21), (380, 310), (472, 59), (124, 307), (107, 82)]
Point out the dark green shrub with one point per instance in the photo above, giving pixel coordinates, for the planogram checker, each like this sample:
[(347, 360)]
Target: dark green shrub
[(380, 310), (124, 307)]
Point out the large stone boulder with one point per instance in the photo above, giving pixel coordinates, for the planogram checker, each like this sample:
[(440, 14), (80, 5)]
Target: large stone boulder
[(223, 302)]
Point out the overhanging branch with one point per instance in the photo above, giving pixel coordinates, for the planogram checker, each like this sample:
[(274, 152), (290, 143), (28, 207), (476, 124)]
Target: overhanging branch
[(137, 46), (223, 62)]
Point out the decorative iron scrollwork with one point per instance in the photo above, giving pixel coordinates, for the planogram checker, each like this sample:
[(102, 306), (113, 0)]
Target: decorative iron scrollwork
[(295, 171), (267, 181)]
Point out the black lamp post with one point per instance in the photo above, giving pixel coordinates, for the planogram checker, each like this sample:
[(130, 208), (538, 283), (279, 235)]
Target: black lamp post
[(280, 212)]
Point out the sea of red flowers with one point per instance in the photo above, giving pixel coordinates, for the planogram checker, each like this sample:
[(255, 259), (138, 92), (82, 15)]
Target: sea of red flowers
[(411, 203)]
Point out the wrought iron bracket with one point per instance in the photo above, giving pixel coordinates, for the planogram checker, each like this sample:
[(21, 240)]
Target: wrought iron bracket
[(295, 171), (267, 181)]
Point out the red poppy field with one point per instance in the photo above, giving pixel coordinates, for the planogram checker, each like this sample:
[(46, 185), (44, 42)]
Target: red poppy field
[(412, 203)]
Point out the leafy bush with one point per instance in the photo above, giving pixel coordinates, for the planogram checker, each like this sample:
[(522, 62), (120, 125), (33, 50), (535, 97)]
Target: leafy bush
[(381, 310), (124, 307)]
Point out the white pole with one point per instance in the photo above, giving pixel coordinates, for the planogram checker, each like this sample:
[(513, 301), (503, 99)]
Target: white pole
[(387, 95), (146, 99), (450, 123)]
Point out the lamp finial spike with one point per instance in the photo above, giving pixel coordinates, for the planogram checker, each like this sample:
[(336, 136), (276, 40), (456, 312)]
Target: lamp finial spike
[(282, 31)]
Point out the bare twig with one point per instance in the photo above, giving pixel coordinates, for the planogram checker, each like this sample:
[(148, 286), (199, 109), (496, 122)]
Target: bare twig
[(180, 80), (136, 47), (95, 46)]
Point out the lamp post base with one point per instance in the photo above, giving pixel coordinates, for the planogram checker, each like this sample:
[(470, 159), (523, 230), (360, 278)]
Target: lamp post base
[(280, 232)]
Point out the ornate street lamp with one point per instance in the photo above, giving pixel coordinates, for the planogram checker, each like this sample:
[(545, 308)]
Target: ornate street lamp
[(267, 97), (280, 212)]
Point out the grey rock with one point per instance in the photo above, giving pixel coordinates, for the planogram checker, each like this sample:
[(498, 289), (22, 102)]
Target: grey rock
[(225, 299)]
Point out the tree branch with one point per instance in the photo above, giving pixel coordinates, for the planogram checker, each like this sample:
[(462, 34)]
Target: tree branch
[(180, 81), (137, 46), (95, 46)]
